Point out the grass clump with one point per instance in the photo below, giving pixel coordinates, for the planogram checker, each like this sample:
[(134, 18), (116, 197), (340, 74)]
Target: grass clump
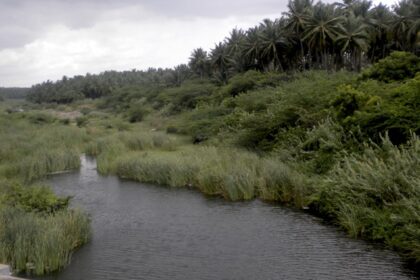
[(232, 174), (45, 162), (40, 244), (376, 195)]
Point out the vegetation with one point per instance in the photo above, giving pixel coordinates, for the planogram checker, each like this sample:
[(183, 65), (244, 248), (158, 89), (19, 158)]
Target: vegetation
[(13, 93), (307, 36), (39, 244), (38, 232), (278, 112), (340, 144)]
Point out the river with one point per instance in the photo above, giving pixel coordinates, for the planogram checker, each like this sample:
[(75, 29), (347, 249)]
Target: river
[(143, 231)]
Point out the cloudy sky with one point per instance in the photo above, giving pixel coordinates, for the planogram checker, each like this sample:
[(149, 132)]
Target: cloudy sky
[(46, 39)]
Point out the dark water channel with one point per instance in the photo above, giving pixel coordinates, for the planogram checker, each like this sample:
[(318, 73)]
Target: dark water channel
[(149, 232)]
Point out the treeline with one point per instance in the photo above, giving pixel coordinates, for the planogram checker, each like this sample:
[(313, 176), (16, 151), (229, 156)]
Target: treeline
[(308, 36), (68, 90), (13, 93)]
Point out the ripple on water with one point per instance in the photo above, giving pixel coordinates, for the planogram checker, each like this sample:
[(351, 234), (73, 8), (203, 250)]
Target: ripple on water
[(150, 232)]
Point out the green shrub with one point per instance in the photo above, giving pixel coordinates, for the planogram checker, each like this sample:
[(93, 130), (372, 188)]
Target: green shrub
[(82, 121), (40, 118), (65, 121), (394, 109), (171, 129), (137, 113), (38, 199), (395, 67), (185, 97), (243, 82)]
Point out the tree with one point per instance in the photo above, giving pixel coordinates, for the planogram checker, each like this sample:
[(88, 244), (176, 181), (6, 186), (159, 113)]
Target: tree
[(353, 39), (199, 62), (272, 41), (405, 26), (321, 31), (235, 45), (296, 17), (220, 61), (380, 43), (252, 48)]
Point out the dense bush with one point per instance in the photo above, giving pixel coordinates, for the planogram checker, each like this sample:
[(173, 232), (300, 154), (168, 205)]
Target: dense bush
[(40, 118), (376, 109), (185, 97), (136, 113), (398, 66), (243, 82)]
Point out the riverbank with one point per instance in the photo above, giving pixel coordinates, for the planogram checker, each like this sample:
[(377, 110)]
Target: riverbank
[(146, 231)]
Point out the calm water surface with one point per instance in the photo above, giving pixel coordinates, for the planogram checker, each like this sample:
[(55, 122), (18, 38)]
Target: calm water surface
[(150, 232)]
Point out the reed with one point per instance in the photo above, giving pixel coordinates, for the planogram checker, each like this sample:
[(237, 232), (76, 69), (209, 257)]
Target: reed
[(376, 195), (37, 244), (230, 173)]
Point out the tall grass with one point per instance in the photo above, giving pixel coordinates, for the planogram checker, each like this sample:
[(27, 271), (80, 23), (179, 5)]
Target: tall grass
[(376, 195), (37, 232), (44, 162), (30, 151), (108, 148), (285, 184), (230, 173), (37, 244)]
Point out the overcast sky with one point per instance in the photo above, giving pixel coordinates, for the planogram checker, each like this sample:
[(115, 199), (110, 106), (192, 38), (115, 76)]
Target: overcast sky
[(46, 39)]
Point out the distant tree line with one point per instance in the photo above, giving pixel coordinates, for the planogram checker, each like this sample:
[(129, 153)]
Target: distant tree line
[(335, 36), (13, 93)]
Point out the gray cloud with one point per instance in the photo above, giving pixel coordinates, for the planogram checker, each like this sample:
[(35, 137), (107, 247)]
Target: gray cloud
[(22, 21)]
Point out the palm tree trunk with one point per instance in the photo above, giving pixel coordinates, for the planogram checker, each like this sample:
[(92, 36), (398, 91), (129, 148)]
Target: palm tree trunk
[(302, 53)]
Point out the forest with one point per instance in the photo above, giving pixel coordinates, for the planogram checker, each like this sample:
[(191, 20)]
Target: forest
[(318, 110)]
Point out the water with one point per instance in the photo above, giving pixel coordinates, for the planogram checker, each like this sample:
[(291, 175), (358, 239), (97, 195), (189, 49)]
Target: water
[(149, 232)]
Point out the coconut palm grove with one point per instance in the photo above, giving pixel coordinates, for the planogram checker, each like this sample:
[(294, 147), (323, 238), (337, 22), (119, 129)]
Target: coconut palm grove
[(317, 110)]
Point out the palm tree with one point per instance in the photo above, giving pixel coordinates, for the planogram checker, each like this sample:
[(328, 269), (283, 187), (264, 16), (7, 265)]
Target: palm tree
[(321, 30), (405, 25), (199, 62), (252, 48), (221, 61), (353, 39), (297, 16), (181, 73), (235, 44), (380, 43), (272, 42)]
